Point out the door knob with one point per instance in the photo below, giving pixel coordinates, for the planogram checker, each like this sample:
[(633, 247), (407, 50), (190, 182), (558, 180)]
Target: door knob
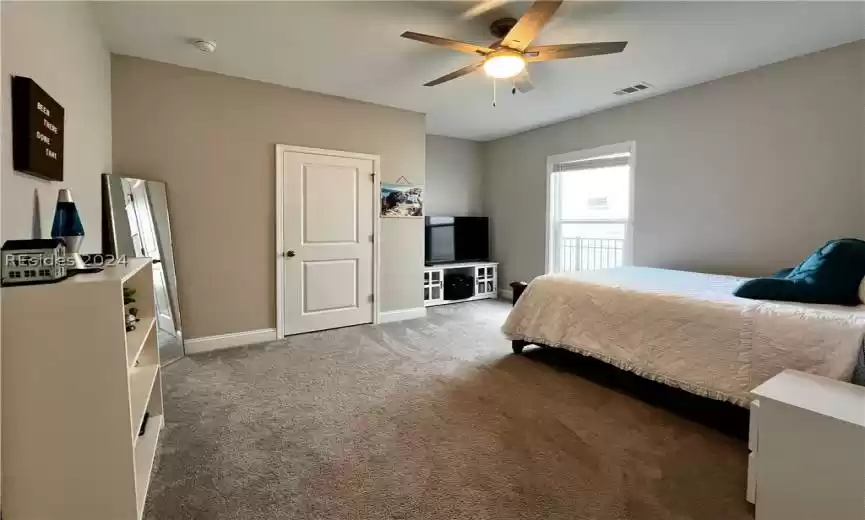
[(289, 254)]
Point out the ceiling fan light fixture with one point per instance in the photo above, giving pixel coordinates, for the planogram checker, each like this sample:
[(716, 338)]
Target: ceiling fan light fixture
[(504, 66)]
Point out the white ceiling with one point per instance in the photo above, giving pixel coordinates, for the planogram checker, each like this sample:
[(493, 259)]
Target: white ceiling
[(353, 50)]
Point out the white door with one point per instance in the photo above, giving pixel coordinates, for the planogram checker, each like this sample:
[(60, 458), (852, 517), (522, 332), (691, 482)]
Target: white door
[(327, 241)]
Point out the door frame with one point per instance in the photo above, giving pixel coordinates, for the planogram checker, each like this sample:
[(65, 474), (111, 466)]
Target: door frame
[(280, 212)]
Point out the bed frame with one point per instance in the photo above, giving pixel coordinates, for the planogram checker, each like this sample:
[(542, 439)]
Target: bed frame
[(722, 416)]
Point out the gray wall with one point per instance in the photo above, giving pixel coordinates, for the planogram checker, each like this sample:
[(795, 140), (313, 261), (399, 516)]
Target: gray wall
[(454, 172), (212, 139), (59, 46), (743, 175)]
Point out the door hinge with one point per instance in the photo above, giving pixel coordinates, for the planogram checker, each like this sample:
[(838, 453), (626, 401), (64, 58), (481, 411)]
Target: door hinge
[(372, 175), (371, 298), (372, 238)]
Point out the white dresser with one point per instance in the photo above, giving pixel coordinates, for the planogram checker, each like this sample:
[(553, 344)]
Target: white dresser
[(807, 446), (76, 388)]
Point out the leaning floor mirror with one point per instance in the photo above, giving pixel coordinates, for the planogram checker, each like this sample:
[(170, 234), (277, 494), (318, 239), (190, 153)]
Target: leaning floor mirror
[(136, 224)]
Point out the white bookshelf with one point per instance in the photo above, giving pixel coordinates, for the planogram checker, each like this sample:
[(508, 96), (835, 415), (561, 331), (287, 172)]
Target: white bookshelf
[(76, 387)]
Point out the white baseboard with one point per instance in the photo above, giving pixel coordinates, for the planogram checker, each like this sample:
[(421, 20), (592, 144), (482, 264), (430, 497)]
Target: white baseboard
[(506, 294), (239, 339), (236, 339), (402, 314)]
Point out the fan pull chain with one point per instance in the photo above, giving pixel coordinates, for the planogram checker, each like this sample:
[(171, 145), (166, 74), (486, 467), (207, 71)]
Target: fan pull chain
[(494, 93)]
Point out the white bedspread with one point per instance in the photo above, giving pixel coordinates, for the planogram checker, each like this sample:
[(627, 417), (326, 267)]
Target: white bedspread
[(687, 329)]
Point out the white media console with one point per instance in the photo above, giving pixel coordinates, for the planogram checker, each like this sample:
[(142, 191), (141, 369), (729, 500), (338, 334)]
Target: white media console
[(485, 281)]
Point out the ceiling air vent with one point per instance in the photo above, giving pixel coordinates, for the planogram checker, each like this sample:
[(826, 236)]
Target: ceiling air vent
[(639, 87)]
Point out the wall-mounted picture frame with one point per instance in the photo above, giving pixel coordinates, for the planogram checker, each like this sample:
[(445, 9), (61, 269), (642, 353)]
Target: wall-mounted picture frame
[(37, 130), (401, 201)]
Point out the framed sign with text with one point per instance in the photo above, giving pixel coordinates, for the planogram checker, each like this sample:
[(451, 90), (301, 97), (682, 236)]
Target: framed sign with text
[(37, 130)]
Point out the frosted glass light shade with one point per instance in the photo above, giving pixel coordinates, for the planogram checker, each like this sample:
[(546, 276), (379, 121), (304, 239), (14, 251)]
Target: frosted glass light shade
[(504, 66)]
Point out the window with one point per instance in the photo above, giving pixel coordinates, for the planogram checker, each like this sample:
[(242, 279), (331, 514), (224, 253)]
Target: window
[(590, 204)]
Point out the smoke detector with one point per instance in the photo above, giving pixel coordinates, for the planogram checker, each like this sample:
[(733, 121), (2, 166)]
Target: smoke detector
[(203, 45)]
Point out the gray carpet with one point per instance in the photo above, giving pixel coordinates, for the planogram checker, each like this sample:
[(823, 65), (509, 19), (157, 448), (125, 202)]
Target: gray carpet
[(424, 419)]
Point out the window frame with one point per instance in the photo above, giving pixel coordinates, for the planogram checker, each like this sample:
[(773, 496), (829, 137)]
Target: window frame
[(553, 202)]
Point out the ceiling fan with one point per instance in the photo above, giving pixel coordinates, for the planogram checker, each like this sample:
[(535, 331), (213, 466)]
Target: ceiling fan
[(507, 57)]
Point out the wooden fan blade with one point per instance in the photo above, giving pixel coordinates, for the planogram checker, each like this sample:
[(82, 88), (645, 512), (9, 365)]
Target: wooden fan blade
[(455, 74), (481, 8), (573, 50), (523, 82), (530, 24), (450, 44)]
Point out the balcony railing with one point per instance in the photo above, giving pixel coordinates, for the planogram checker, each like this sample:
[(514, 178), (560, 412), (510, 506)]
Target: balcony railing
[(586, 254)]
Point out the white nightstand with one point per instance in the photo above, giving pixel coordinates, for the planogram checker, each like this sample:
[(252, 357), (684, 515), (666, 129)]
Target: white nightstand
[(807, 446)]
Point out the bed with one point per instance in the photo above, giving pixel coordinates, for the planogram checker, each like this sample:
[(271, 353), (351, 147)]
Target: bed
[(687, 330)]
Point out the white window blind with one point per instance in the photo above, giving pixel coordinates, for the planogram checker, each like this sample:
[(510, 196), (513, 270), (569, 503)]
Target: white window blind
[(619, 159)]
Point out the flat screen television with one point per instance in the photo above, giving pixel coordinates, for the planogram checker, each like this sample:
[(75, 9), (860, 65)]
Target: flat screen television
[(456, 239)]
